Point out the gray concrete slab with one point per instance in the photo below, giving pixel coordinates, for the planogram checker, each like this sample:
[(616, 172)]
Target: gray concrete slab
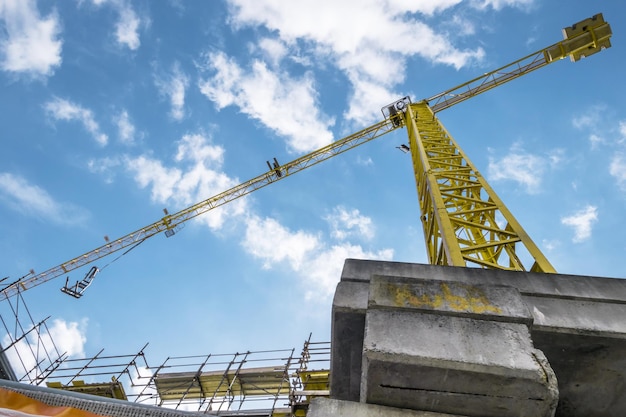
[(325, 407), (558, 285), (591, 372), (563, 303), (578, 322), (591, 317), (452, 364)]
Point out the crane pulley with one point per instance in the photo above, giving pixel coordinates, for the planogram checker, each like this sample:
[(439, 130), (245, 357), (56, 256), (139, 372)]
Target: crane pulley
[(460, 213)]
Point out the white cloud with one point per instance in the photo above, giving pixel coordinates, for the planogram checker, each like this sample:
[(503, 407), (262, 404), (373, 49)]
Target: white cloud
[(61, 109), (274, 49), (556, 157), (364, 161), (286, 105), (28, 43), (105, 166), (499, 4), (69, 337), (622, 131), (125, 128), (173, 86), (323, 271), (591, 118), (617, 169), (596, 141), (315, 262), (196, 176), (463, 26), (427, 7), (195, 148), (346, 223), (126, 28), (367, 94), (365, 46), (31, 355), (519, 166), (24, 197), (127, 25), (550, 245), (148, 171), (582, 222), (267, 239)]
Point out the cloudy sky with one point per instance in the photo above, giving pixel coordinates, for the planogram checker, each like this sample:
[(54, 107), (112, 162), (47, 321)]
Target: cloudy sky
[(112, 110)]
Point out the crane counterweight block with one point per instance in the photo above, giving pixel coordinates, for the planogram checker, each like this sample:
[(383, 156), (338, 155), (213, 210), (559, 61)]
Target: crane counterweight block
[(582, 39)]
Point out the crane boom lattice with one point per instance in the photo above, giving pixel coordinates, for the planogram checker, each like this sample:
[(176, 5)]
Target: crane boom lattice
[(460, 212), (170, 222)]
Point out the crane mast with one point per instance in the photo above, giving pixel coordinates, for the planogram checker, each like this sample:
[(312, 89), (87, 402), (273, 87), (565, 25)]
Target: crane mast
[(459, 210), (460, 213)]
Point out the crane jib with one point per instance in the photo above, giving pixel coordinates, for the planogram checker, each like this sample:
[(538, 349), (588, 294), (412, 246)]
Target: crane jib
[(582, 39)]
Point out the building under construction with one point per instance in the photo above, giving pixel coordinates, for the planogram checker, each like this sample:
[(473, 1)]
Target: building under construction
[(487, 329)]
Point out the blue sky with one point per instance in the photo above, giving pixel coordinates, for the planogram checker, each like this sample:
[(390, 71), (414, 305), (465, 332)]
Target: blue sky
[(112, 110)]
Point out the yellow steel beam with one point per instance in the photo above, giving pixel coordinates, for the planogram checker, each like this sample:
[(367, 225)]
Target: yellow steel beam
[(170, 222), (459, 210)]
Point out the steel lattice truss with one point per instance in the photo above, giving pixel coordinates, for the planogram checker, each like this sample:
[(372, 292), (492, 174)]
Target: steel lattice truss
[(171, 222), (465, 223)]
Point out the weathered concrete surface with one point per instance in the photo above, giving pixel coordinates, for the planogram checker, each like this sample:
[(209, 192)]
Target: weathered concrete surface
[(453, 347), (591, 373), (484, 302), (451, 364), (348, 324), (325, 407), (578, 322)]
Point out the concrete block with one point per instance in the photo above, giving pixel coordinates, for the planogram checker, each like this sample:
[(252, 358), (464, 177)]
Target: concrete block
[(558, 285), (591, 373), (577, 322), (577, 316), (348, 324), (325, 407), (454, 365), (484, 302)]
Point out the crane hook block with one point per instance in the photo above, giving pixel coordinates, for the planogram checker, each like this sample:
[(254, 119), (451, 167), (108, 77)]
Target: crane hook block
[(77, 289)]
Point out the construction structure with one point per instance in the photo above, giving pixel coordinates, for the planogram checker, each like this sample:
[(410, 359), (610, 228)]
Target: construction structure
[(392, 345), (273, 383)]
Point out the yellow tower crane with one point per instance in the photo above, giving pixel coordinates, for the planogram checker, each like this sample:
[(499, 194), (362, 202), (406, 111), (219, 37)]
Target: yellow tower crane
[(465, 223)]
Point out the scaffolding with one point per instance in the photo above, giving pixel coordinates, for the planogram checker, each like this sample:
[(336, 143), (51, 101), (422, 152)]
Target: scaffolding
[(270, 383), (27, 352), (263, 383)]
